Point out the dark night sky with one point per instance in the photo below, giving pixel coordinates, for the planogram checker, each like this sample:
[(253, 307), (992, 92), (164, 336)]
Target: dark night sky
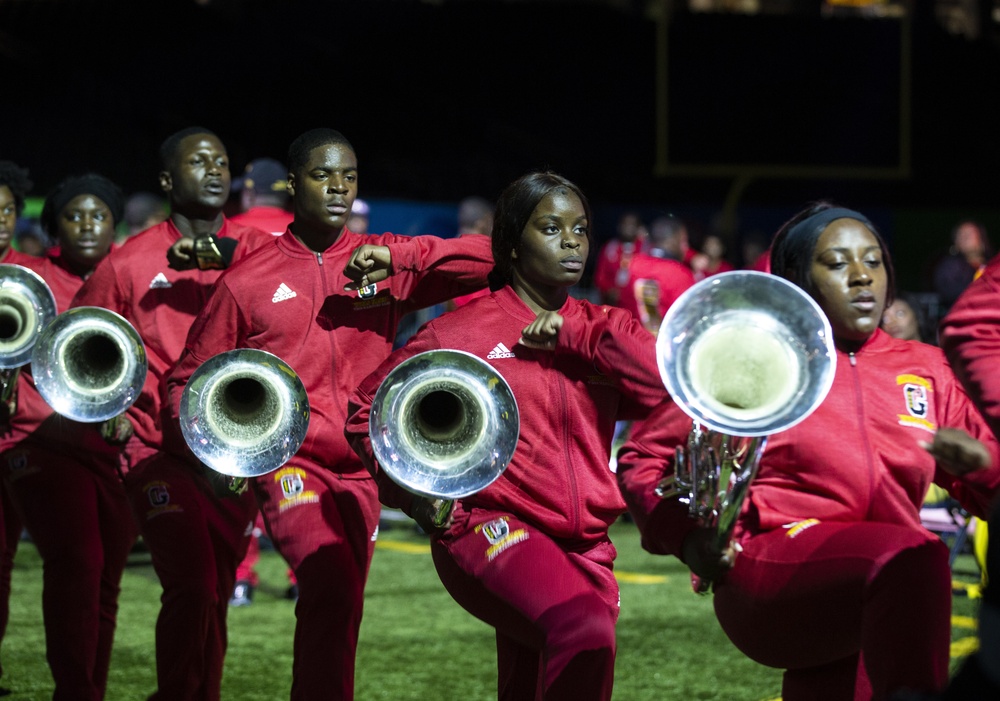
[(449, 98)]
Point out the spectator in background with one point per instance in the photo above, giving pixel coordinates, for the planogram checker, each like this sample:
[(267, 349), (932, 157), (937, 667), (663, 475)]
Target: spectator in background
[(360, 217), (475, 216), (905, 318), (30, 239), (655, 281), (263, 189), (611, 273), (756, 252), (710, 259), (142, 211), (970, 249)]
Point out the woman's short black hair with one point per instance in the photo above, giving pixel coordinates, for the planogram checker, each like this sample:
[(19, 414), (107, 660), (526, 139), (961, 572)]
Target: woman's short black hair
[(513, 210)]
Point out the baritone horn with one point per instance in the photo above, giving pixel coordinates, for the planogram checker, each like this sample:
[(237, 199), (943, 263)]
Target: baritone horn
[(744, 354), (26, 306), (444, 424), (244, 413), (89, 364)]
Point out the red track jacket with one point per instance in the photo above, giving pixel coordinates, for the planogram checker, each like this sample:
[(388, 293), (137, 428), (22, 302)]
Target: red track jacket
[(602, 369), (856, 458), (290, 301)]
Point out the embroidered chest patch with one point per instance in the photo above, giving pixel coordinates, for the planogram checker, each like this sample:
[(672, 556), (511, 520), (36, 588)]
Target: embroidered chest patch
[(917, 400)]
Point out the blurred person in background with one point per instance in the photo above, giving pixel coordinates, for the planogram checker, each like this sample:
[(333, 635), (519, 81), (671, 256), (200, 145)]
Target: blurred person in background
[(611, 271), (655, 280), (142, 211), (263, 193), (475, 216), (970, 249), (710, 258), (905, 318)]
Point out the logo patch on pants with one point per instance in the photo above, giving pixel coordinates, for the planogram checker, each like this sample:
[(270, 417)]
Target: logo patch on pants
[(292, 481), (499, 536), (158, 494), (19, 465)]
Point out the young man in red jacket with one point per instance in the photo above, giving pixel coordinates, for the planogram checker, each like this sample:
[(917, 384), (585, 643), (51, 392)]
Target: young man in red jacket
[(322, 298), (195, 538)]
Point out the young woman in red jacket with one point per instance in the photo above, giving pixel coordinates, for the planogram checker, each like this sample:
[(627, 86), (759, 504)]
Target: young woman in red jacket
[(834, 579), (529, 554), (62, 476)]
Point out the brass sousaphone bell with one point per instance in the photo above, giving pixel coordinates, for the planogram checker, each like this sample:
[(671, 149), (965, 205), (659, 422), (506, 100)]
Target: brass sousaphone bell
[(745, 355), (244, 413), (444, 424)]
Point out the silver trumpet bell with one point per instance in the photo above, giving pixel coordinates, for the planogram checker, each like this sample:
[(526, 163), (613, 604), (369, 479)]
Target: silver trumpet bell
[(244, 413), (744, 354), (444, 424), (26, 306), (89, 364)]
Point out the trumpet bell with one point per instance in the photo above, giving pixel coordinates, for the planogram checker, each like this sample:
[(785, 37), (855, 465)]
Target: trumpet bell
[(89, 364), (244, 412), (746, 353), (444, 424), (26, 306)]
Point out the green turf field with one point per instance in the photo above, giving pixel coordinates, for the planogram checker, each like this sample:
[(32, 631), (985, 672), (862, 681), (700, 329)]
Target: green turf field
[(416, 643)]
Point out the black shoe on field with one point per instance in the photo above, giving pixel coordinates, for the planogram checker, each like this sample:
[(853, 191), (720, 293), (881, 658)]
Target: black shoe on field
[(292, 594), (242, 594)]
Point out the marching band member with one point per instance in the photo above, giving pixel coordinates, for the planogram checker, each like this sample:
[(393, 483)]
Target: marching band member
[(328, 302), (833, 578), (63, 476), (969, 338), (15, 183), (530, 553), (195, 539)]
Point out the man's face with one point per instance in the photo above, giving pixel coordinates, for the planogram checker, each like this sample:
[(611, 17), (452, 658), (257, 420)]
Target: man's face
[(198, 180), (324, 190)]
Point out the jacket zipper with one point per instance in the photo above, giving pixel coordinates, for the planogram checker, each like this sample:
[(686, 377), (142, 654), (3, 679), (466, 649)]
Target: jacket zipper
[(861, 425), (570, 474)]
